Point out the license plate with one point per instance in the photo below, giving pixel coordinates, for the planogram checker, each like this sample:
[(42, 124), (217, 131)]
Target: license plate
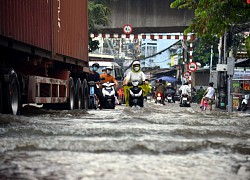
[(184, 99), (158, 98)]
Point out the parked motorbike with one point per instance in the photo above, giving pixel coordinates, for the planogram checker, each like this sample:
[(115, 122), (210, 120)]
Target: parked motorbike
[(244, 103), (108, 92), (135, 95), (184, 102), (93, 100)]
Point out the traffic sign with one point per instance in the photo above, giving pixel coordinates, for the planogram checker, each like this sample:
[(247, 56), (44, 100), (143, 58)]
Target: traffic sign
[(186, 74), (127, 29), (192, 66)]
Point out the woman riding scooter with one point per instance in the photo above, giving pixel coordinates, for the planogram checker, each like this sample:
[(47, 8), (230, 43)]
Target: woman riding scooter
[(134, 75)]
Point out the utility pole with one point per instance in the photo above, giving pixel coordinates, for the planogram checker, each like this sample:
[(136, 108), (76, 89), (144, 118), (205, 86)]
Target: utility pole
[(222, 75), (211, 61)]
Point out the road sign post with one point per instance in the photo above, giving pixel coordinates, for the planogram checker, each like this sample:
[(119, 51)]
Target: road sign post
[(127, 29), (192, 66), (186, 75)]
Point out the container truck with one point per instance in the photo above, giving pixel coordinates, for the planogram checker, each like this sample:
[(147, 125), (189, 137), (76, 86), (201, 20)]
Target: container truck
[(43, 54)]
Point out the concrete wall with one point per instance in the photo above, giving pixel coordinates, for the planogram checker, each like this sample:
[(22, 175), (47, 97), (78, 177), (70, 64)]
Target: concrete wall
[(147, 16)]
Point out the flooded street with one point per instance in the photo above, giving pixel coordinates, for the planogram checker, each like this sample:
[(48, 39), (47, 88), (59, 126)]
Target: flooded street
[(156, 142)]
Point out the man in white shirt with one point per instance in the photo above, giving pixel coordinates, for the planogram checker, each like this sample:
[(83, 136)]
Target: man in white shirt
[(185, 89), (209, 95)]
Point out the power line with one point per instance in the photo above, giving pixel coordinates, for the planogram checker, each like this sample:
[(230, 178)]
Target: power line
[(154, 54), (162, 50)]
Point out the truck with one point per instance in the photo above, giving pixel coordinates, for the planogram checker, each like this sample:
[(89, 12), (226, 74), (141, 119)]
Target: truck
[(43, 54)]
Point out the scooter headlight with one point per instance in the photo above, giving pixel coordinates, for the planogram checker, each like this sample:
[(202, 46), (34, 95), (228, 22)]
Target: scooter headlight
[(135, 83)]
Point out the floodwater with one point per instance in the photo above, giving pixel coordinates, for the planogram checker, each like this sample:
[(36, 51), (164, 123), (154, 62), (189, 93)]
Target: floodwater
[(156, 142)]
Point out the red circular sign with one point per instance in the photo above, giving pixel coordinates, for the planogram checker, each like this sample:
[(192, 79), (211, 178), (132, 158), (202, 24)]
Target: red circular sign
[(192, 66), (186, 74), (127, 29)]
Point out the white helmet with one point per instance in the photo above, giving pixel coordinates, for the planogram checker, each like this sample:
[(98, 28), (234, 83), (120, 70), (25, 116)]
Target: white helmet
[(109, 67), (136, 63), (169, 84), (108, 70), (136, 66)]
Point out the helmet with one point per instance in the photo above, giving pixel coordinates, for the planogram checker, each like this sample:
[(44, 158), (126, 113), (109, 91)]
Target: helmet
[(169, 84), (136, 66), (136, 63), (108, 70), (109, 67), (104, 69), (95, 65)]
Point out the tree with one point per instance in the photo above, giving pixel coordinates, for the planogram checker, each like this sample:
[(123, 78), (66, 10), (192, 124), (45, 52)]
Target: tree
[(214, 17), (98, 15)]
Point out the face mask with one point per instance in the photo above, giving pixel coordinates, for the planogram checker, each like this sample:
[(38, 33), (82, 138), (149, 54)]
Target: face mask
[(95, 68), (108, 71), (136, 68)]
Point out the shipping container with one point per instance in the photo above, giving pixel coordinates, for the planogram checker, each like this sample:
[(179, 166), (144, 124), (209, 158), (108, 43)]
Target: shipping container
[(43, 52)]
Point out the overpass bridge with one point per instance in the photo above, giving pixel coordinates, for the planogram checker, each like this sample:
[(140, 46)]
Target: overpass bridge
[(146, 16)]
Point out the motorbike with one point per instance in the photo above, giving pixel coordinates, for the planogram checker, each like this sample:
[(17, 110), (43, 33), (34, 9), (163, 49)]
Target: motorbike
[(159, 98), (93, 100), (135, 95), (184, 102), (169, 98), (205, 104), (244, 103), (108, 92)]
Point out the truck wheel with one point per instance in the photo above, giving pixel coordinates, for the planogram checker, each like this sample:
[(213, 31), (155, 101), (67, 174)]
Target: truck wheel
[(71, 99), (79, 94), (11, 93), (85, 94)]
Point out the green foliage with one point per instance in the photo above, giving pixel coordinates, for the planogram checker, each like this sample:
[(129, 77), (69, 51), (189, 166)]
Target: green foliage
[(202, 49), (248, 45), (98, 15), (93, 44), (200, 94), (214, 17)]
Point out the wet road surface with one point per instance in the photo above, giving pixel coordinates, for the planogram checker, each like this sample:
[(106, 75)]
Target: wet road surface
[(156, 142)]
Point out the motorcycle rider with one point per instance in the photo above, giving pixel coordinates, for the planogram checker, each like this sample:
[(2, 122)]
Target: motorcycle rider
[(107, 77), (160, 88), (95, 76), (185, 89), (135, 74), (208, 95), (171, 90)]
